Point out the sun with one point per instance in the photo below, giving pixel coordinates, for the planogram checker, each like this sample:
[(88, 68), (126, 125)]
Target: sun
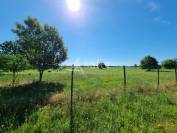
[(74, 5)]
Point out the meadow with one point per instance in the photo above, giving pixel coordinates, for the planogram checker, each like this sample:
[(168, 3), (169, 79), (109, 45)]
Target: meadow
[(101, 103)]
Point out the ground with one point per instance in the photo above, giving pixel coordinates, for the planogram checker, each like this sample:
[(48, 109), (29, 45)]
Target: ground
[(101, 103)]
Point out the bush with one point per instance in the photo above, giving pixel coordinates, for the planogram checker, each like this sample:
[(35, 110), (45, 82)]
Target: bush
[(135, 65), (101, 65), (169, 64), (149, 63)]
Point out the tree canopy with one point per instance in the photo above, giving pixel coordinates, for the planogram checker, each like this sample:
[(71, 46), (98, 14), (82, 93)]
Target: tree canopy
[(41, 45), (101, 65), (169, 64), (149, 62), (11, 59), (3, 60)]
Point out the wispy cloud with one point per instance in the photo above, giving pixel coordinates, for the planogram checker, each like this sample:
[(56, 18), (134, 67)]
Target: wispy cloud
[(153, 6), (163, 21), (176, 27), (150, 4)]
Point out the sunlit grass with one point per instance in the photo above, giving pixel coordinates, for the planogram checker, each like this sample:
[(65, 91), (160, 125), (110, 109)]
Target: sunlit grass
[(101, 103)]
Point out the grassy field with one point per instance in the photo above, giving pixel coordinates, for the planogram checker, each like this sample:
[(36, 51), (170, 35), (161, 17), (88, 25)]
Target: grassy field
[(101, 102)]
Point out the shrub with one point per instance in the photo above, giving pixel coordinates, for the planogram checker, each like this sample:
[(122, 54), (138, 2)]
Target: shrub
[(169, 64), (101, 65), (149, 63)]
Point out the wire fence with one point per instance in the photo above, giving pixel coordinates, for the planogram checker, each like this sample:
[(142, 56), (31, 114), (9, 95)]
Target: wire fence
[(72, 115), (124, 79)]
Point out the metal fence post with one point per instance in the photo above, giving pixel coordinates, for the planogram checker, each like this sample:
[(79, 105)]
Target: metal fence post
[(175, 73), (71, 107), (158, 76), (125, 78)]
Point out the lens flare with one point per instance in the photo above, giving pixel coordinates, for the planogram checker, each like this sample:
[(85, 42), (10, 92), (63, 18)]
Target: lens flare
[(73, 5)]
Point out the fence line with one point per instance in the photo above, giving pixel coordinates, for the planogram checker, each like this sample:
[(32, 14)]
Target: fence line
[(125, 85), (71, 107), (158, 77), (175, 73)]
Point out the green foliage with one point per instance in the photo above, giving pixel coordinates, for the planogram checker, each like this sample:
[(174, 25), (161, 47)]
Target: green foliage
[(12, 60), (169, 64), (3, 60), (149, 63), (14, 63), (101, 65), (136, 66), (10, 48), (42, 45)]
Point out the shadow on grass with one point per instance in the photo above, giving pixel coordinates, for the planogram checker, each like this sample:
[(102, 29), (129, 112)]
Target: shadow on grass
[(16, 102), (159, 71), (1, 73)]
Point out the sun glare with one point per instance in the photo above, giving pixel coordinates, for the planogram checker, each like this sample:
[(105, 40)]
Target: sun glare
[(73, 5)]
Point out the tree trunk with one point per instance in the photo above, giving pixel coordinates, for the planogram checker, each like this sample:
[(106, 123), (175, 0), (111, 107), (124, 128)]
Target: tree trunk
[(13, 78), (40, 75)]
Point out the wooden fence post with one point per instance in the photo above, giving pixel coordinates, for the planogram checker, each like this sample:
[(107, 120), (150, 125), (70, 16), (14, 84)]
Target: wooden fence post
[(125, 78), (158, 76), (71, 107)]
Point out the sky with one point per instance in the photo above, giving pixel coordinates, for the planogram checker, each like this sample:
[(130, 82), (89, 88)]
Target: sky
[(117, 32)]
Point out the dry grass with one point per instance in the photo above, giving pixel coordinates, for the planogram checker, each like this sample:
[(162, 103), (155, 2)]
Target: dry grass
[(91, 96), (56, 98)]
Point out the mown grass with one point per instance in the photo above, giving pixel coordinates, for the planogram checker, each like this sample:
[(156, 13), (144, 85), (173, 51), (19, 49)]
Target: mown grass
[(101, 103)]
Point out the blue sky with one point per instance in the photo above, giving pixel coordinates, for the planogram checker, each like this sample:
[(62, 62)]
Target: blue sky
[(113, 31)]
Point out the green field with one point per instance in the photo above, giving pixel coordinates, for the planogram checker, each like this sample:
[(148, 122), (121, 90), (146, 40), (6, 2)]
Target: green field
[(101, 104)]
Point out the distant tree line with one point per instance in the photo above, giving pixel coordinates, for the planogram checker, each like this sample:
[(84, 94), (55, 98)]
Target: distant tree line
[(149, 63), (38, 46), (169, 63)]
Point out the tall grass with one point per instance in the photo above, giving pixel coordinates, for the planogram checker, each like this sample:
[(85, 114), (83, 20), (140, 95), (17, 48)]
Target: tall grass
[(126, 112), (18, 102), (100, 102)]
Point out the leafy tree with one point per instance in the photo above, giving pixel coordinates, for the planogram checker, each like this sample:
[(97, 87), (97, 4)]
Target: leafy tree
[(101, 65), (42, 45), (135, 65), (2, 61), (149, 63), (169, 64), (11, 60)]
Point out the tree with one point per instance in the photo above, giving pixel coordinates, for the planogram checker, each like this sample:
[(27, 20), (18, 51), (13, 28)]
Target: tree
[(2, 61), (101, 65), (135, 65), (41, 45), (11, 60), (149, 63), (169, 64)]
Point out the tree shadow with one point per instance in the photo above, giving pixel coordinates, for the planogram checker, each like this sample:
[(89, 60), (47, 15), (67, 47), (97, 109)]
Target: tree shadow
[(159, 71), (16, 102), (1, 73)]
